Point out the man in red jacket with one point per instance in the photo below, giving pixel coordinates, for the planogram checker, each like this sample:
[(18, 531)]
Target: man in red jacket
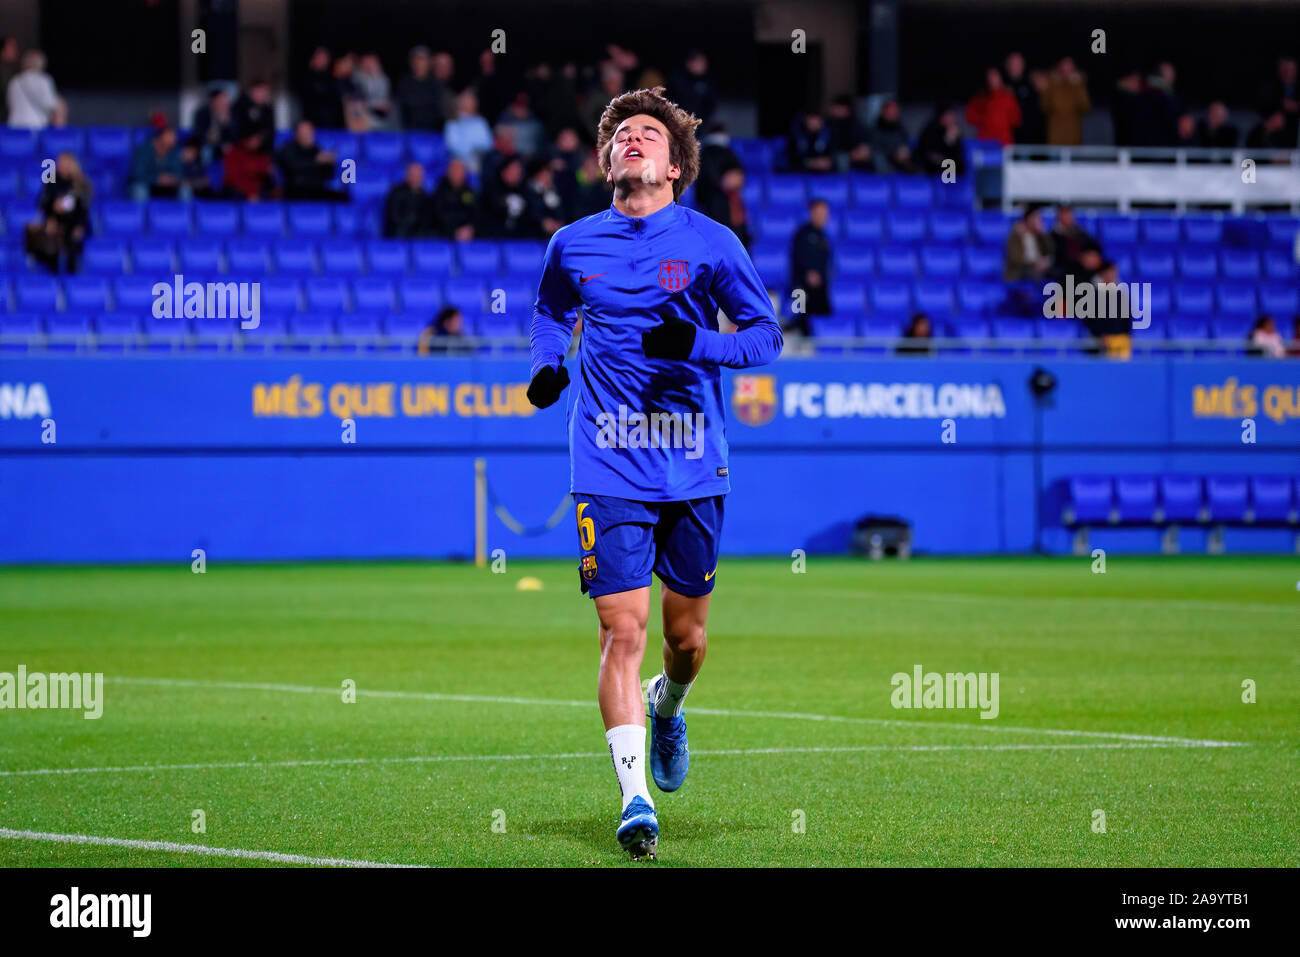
[(993, 111)]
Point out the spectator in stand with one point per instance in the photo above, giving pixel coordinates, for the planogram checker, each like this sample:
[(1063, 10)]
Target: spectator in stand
[(1283, 95), (1266, 340), (247, 170), (1215, 131), (64, 207), (890, 146), (156, 167), (1071, 243), (809, 144), (611, 85), (545, 204), (1114, 332), (9, 66), (1033, 128), (33, 101), (916, 337), (692, 88), (940, 147), (455, 207), (503, 148), (1186, 135), (850, 141), (1164, 106), (810, 263), (1270, 133), (505, 204), (376, 91), (994, 111), (1295, 338), (321, 104), (1065, 103), (468, 136), (716, 159), (421, 96), (1127, 109), (592, 193), (566, 153), (254, 118), (554, 96), (1029, 249), (214, 125), (443, 336), (494, 90), (306, 169), (195, 181), (408, 210), (529, 135), (356, 115)]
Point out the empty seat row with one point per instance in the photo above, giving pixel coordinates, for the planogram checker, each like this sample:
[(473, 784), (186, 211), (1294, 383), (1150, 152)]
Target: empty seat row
[(1174, 498)]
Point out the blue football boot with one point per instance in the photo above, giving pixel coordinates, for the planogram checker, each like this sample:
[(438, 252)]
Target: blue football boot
[(638, 832), (669, 757)]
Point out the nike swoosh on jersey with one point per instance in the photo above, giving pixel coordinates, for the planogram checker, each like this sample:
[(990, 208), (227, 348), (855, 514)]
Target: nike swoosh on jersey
[(589, 278), (710, 574)]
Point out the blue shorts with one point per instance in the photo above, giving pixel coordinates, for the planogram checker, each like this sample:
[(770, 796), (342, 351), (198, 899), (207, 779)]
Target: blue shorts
[(624, 541)]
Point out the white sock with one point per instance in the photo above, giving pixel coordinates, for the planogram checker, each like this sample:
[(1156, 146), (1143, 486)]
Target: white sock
[(671, 695), (627, 751)]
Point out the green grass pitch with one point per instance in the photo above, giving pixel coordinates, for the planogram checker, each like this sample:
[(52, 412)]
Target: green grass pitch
[(475, 739)]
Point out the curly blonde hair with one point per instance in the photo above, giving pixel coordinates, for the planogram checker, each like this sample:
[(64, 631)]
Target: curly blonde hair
[(683, 147)]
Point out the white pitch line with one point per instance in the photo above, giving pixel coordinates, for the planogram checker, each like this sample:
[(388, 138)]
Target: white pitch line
[(570, 755), (274, 856), (722, 712)]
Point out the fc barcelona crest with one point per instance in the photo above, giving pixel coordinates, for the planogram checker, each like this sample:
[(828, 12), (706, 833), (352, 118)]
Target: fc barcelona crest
[(753, 398), (674, 274), (589, 567)]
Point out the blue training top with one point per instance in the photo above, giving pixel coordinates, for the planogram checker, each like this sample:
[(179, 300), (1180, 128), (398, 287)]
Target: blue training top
[(652, 430)]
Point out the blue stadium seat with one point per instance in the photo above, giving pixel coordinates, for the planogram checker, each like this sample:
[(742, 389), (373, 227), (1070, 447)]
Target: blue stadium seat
[(881, 327), (1154, 264), (63, 139), (405, 327), (311, 329), (216, 219), (38, 293), (10, 184), (420, 295), (841, 325), (991, 227), (263, 219), (153, 256), (1193, 299), (374, 295), (108, 143), (913, 192), (294, 257), (1279, 300), (18, 324), (1013, 327), (384, 148), (134, 293), (168, 218), (1135, 498), (199, 255), (1280, 264), (342, 142), (906, 225), (516, 297), (1180, 498), (364, 327), (1202, 230), (982, 262), (1091, 499), (86, 294), (949, 225), (1187, 327), (67, 330), (934, 297), (940, 262), (1160, 231), (898, 263), (432, 257), (309, 220), (326, 295), (341, 257), (970, 328), (1058, 330), (499, 325), (1231, 329), (17, 144), (847, 296), (249, 257), (1282, 230), (1118, 231), (373, 187), (786, 191), (778, 225), (772, 262), (349, 220), (890, 298), (269, 333), (426, 148), (122, 217), (832, 187), (977, 298), (281, 294), (868, 190), (389, 257), (524, 257), (1271, 498), (105, 255), (1239, 264), (1236, 300), (860, 226), (479, 258), (1227, 497), (853, 261), (1198, 264), (116, 330), (467, 295)]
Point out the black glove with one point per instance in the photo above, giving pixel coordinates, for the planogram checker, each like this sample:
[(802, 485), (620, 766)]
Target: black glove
[(674, 338), (547, 386)]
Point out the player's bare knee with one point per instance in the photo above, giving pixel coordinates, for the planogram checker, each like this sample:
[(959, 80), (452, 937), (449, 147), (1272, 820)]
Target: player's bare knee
[(685, 636), (623, 634)]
